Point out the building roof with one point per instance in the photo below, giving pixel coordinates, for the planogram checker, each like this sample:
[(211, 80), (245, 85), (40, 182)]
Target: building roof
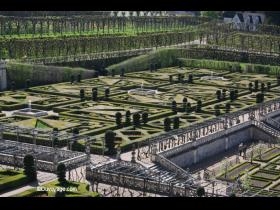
[(229, 14), (260, 19), (251, 19), (240, 16)]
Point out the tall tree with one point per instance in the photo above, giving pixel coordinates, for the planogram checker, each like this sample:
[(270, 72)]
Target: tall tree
[(110, 142), (176, 122), (198, 106), (227, 107), (224, 94), (61, 173), (185, 101), (219, 95), (118, 117), (200, 191), (190, 80), (127, 117), (268, 86), (94, 95), (29, 168), (107, 93), (167, 124), (79, 78), (174, 106), (256, 85), (136, 119), (145, 118), (232, 95), (189, 107), (217, 110), (262, 87), (82, 94), (259, 98), (251, 87)]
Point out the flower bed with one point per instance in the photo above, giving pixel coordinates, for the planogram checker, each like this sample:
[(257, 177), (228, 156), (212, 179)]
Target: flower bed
[(276, 187), (259, 183), (238, 170), (266, 175), (269, 155)]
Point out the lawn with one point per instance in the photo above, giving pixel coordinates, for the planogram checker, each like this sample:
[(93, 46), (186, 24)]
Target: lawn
[(11, 179)]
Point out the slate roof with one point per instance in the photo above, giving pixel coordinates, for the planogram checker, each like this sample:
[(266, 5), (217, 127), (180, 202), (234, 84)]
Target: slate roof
[(240, 16), (251, 19), (229, 14), (260, 20)]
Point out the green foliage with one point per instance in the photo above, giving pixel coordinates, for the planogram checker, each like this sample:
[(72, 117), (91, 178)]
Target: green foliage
[(259, 97), (190, 80), (227, 107), (188, 108), (145, 117), (82, 94), (211, 14), (219, 95), (61, 173), (174, 106), (198, 106), (11, 179), (118, 117), (200, 191), (107, 93), (166, 57), (94, 95), (110, 142), (40, 74), (29, 168), (184, 102), (136, 119), (256, 86), (127, 117), (176, 122), (217, 110), (167, 124)]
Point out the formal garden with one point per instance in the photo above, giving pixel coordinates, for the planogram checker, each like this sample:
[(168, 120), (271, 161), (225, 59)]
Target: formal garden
[(259, 172), (137, 106)]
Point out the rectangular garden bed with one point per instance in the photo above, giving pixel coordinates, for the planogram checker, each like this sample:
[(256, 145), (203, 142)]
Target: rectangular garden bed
[(238, 170)]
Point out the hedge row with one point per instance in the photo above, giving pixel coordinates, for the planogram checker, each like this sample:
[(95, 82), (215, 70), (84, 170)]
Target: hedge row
[(211, 58), (41, 74), (230, 66), (164, 57), (29, 139)]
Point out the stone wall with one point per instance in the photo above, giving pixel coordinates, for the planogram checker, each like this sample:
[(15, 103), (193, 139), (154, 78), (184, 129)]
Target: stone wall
[(221, 144)]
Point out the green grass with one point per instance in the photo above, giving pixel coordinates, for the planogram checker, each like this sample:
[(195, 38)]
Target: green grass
[(10, 179)]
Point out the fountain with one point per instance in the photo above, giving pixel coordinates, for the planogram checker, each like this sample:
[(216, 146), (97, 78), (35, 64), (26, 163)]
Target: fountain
[(142, 91), (213, 77), (30, 112)]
